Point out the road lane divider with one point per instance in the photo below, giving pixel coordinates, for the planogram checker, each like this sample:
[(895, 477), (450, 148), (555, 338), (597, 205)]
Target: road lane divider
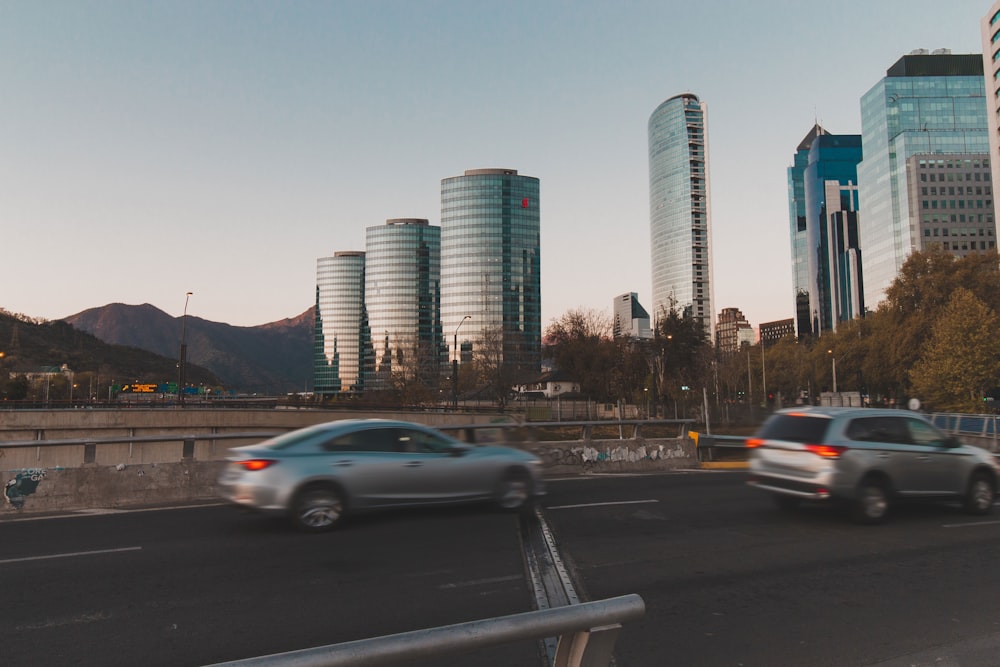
[(74, 554)]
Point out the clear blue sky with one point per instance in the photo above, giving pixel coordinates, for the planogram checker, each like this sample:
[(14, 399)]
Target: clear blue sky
[(148, 149)]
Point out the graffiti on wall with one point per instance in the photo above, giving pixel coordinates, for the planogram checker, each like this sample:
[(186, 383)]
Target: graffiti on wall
[(587, 456), (22, 484)]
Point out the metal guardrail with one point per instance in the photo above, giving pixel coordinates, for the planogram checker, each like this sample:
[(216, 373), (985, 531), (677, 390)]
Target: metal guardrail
[(706, 446), (627, 430), (587, 634)]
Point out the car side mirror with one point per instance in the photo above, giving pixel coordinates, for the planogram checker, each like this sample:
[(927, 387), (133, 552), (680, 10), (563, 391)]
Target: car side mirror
[(457, 450)]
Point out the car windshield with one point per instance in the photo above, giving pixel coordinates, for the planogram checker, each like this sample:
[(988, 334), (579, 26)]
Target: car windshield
[(795, 428)]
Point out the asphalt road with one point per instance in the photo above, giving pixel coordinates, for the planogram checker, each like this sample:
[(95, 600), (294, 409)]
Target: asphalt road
[(727, 580)]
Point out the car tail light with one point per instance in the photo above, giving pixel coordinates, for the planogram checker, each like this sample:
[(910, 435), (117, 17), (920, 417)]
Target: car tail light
[(827, 451), (754, 443), (256, 464)]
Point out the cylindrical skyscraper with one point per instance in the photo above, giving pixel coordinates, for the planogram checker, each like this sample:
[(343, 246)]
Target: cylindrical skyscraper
[(343, 339), (490, 267), (403, 296), (679, 209)]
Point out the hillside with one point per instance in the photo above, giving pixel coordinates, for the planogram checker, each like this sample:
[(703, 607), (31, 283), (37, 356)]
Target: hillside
[(271, 358), (30, 345)]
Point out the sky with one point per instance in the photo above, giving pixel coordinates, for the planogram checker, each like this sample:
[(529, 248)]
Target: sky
[(149, 149)]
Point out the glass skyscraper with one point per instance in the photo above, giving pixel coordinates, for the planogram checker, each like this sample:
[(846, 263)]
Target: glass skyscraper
[(990, 33), (823, 210), (798, 232), (930, 105), (343, 358), (490, 265), (679, 209), (403, 299)]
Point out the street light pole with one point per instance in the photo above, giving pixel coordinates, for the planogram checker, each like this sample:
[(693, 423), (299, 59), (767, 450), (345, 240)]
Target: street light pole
[(180, 366), (454, 366)]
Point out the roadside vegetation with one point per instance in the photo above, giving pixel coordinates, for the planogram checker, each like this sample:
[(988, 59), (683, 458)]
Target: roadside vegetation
[(936, 337)]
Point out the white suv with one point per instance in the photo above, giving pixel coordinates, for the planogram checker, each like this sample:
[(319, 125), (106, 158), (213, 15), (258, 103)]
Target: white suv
[(867, 458)]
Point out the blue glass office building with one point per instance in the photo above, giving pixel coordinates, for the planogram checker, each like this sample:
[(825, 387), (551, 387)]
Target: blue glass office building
[(679, 209), (490, 265), (403, 300), (343, 351), (930, 105), (798, 232), (823, 206)]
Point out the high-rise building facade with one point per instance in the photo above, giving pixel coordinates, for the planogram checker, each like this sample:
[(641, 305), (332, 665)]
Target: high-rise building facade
[(630, 319), (343, 352), (823, 207), (798, 232), (930, 105), (679, 209), (490, 266), (732, 330), (403, 300), (990, 33)]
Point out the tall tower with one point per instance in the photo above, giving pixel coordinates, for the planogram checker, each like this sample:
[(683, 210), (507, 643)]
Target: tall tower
[(679, 209), (930, 109), (823, 206), (990, 32), (490, 266), (798, 232), (403, 298), (343, 356)]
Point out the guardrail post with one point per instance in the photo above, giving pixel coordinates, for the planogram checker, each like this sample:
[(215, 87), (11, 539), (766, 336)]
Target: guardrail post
[(188, 452), (589, 648), (89, 452)]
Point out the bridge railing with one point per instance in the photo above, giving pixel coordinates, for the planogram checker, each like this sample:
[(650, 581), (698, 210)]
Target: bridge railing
[(587, 634)]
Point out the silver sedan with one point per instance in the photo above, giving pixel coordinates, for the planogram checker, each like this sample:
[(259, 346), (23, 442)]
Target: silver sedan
[(318, 474)]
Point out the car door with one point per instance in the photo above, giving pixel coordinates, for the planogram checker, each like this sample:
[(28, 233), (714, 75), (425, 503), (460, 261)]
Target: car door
[(889, 448), (438, 468), (368, 463), (941, 465)]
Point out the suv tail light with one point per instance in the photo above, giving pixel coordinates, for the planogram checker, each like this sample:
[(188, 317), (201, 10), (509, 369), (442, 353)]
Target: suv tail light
[(827, 451), (256, 464)]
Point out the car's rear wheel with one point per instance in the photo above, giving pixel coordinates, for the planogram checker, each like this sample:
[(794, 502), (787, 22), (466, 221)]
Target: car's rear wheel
[(514, 490), (980, 494), (871, 504), (318, 508), (787, 503)]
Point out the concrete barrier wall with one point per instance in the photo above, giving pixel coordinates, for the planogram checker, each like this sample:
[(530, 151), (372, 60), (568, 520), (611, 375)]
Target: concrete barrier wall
[(136, 474), (136, 484)]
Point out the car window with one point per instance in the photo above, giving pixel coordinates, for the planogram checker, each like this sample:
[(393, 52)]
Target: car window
[(796, 428), (424, 442), (923, 433), (365, 440), (879, 429)]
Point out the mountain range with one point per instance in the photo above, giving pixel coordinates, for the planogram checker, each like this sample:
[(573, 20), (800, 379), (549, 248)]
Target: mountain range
[(273, 358)]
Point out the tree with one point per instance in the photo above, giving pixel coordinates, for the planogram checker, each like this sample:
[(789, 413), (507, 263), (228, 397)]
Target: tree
[(580, 345), (496, 376), (680, 356), (961, 360)]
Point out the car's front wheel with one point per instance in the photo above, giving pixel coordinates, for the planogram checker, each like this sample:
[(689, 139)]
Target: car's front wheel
[(514, 491), (871, 504), (980, 494), (317, 509)]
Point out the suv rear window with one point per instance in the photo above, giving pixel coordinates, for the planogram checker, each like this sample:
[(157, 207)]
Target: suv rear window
[(795, 428)]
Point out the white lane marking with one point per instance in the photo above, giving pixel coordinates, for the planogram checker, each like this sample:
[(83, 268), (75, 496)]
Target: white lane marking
[(481, 582), (71, 514), (971, 525), (619, 502), (70, 555)]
